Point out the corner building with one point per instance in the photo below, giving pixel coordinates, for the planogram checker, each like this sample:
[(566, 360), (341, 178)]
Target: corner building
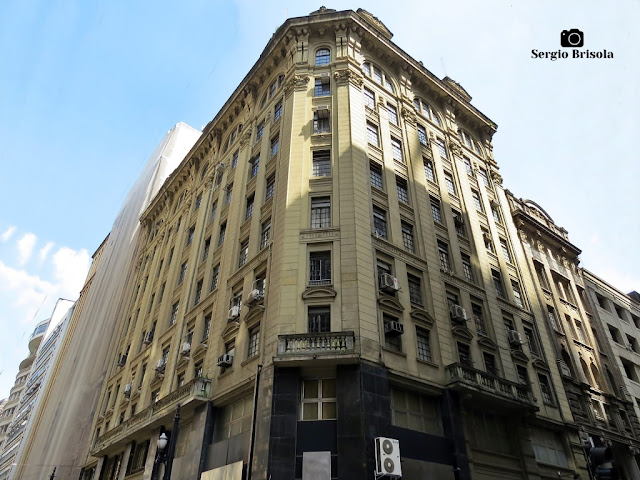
[(335, 261)]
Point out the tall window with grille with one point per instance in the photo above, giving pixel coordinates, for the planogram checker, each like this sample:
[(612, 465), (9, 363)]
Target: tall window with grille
[(190, 235), (482, 173), (320, 212), (403, 190), (467, 166), (407, 237), (259, 131), (322, 87), (214, 277), (223, 231), (198, 294), (254, 342), (277, 111), (369, 98), (249, 207), (497, 283), (323, 56), (505, 250), (466, 267), (380, 222), (448, 180), (183, 272), (545, 389), (478, 317), (372, 134), (320, 268), (517, 294), (321, 122), (173, 315), (392, 113), (422, 135), (265, 234), (375, 172), (442, 149), (443, 253), (254, 166), (244, 253), (458, 222), (229, 193), (206, 248), (496, 213), (424, 345), (429, 172), (490, 363), (271, 186), (206, 327), (392, 341), (396, 150), (319, 319), (321, 163), (476, 200), (464, 354), (275, 146), (415, 290), (234, 159), (532, 339), (435, 210)]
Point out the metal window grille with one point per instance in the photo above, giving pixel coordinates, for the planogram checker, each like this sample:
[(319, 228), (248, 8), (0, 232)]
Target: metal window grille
[(320, 212), (320, 268)]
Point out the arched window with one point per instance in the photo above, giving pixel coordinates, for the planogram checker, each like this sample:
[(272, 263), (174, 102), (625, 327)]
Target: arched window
[(280, 80), (378, 75), (585, 369), (612, 382), (596, 376), (469, 142), (323, 56), (426, 110)]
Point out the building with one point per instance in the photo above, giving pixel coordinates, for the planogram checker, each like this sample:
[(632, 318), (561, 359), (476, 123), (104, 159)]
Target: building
[(12, 408), (590, 367), (60, 427), (336, 261)]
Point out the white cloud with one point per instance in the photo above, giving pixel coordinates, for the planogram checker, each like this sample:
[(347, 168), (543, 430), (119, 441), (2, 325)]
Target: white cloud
[(8, 233), (44, 251), (71, 268), (25, 247), (25, 291)]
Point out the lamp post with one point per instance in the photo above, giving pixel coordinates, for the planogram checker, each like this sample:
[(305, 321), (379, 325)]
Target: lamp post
[(163, 454)]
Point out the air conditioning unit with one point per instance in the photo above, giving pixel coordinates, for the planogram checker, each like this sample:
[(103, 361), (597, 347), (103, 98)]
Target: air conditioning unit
[(221, 166), (514, 337), (160, 366), (459, 220), (388, 458), (225, 360), (148, 338), (127, 390), (322, 107), (234, 313), (389, 283), (486, 237), (457, 314), (185, 349), (255, 297), (122, 360), (393, 328)]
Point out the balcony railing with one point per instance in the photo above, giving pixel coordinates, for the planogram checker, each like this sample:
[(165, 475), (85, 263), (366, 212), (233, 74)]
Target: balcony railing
[(196, 389), (483, 381), (330, 343)]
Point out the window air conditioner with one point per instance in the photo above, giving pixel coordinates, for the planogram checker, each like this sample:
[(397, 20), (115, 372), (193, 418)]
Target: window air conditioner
[(459, 220), (160, 366), (185, 349), (255, 297), (388, 458), (122, 360), (234, 313), (389, 283), (514, 337), (393, 328), (225, 360), (221, 166), (148, 338), (127, 389), (486, 237), (458, 314)]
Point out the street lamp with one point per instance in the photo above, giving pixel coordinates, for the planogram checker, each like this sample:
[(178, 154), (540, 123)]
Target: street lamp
[(163, 454)]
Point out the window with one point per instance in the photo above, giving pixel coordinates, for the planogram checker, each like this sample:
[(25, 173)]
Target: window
[(403, 192), (478, 318), (319, 399), (441, 148), (392, 112), (254, 342), (162, 288), (183, 272), (155, 396), (382, 268), (497, 283), (205, 248), (235, 418), (476, 200), (265, 234), (407, 237), (466, 267), (448, 180), (198, 294), (375, 172), (416, 412), (229, 191), (321, 121), (255, 165), (198, 202), (443, 253), (428, 170), (424, 345), (422, 135), (320, 212), (159, 268), (523, 375), (272, 89), (532, 339), (372, 134), (321, 163), (505, 250), (436, 213), (275, 145), (396, 150), (277, 111), (190, 234), (259, 131), (392, 340), (467, 166), (153, 297), (319, 319), (322, 88), (482, 173), (320, 268), (490, 363), (249, 207), (173, 316), (323, 56), (615, 334), (223, 230), (464, 354), (377, 75), (369, 98), (271, 186), (244, 253), (212, 212), (206, 327), (214, 277), (380, 222), (415, 290), (517, 294), (495, 213), (234, 160), (548, 447), (198, 369), (552, 318)]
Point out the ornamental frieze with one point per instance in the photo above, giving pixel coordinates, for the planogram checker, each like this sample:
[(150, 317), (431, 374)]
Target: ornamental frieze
[(344, 76), (297, 82)]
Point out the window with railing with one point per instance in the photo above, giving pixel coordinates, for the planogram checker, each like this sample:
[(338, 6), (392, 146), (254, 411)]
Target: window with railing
[(320, 268)]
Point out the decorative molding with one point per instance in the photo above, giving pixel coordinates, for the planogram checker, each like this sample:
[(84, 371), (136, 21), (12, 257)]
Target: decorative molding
[(319, 291), (199, 351), (519, 355), (421, 315), (486, 342), (540, 364), (297, 83), (409, 115), (462, 332), (390, 303), (347, 76), (231, 328), (469, 287), (394, 251), (254, 316), (319, 235)]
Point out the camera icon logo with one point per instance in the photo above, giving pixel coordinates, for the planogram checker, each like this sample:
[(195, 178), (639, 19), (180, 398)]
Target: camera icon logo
[(573, 38)]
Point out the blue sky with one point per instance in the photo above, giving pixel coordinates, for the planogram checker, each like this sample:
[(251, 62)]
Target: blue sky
[(88, 89)]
